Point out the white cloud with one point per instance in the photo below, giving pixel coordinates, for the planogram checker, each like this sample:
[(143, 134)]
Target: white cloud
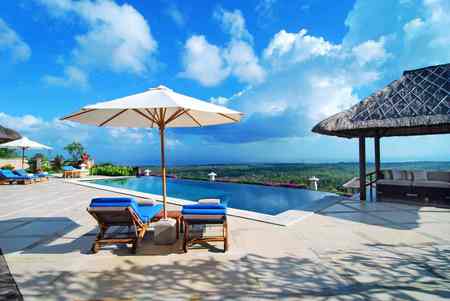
[(244, 63), (203, 62), (370, 51), (210, 64), (297, 47), (176, 15), (219, 100), (330, 95), (131, 135), (413, 27), (12, 43), (118, 38), (233, 23), (73, 76), (53, 132), (24, 123), (57, 134), (265, 9)]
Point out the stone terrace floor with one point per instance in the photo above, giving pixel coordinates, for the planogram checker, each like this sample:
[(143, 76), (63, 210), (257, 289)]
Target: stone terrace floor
[(349, 251)]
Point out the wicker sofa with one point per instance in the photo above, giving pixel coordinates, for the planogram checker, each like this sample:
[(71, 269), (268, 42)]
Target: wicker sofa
[(426, 186)]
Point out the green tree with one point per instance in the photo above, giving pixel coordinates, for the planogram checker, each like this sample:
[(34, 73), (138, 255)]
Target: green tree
[(58, 163), (75, 150), (7, 153), (44, 164)]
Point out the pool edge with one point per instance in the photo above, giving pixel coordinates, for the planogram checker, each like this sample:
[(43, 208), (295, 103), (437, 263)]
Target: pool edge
[(285, 218)]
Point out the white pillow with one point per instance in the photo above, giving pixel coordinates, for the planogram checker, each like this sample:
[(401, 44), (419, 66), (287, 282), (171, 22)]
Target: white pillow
[(396, 174), (420, 175), (209, 201), (145, 202)]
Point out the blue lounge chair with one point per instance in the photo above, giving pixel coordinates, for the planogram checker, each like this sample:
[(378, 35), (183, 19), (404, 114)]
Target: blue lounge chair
[(203, 214), (7, 176), (23, 173), (70, 172), (121, 211)]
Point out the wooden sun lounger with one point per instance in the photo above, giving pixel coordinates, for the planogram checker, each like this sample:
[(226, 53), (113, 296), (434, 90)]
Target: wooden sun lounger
[(121, 212), (203, 214)]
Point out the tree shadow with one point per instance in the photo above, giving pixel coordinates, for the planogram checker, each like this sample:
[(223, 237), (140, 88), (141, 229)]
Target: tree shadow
[(26, 234), (342, 276)]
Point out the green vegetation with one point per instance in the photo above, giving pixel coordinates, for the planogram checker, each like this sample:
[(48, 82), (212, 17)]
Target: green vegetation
[(332, 175), (6, 153), (44, 163), (75, 150), (57, 163), (112, 170), (8, 166)]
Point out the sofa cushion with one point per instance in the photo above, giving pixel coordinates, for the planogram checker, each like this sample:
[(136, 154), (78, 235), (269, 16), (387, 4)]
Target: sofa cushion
[(387, 174), (420, 175), (441, 176), (397, 175), (394, 182), (431, 184)]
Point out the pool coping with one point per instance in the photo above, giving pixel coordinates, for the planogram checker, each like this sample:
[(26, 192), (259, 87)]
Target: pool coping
[(286, 218)]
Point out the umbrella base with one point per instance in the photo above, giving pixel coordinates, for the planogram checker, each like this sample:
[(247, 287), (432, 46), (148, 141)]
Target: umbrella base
[(165, 232)]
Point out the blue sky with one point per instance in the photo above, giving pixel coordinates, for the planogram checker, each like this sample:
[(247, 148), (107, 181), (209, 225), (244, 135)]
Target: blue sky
[(285, 64)]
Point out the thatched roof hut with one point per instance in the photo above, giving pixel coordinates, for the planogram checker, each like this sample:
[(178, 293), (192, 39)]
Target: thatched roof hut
[(416, 104), (7, 135)]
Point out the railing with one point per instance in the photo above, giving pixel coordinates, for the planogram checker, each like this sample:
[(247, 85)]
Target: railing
[(371, 180)]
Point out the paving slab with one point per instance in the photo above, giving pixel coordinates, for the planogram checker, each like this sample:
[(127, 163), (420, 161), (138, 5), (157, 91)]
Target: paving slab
[(377, 251)]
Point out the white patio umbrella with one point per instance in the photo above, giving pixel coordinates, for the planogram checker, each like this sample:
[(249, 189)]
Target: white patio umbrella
[(24, 143), (160, 108)]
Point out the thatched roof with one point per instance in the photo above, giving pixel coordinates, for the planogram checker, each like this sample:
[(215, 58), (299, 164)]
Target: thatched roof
[(7, 135), (416, 104)]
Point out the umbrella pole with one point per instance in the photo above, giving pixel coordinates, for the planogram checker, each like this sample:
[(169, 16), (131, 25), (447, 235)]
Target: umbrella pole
[(163, 171), (23, 156)]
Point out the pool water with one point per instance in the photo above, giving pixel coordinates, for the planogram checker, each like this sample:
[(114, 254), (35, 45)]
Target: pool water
[(258, 198)]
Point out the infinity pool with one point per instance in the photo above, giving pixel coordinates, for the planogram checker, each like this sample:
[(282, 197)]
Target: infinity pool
[(262, 199)]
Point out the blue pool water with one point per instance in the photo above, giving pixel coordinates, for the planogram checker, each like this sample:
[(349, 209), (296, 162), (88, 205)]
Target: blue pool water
[(262, 199)]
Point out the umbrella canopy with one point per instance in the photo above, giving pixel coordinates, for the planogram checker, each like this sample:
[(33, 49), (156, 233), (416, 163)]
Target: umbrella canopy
[(23, 144), (158, 107), (153, 108), (8, 135)]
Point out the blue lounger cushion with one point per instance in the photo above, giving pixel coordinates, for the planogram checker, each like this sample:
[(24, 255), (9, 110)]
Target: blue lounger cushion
[(205, 206), (23, 173), (68, 168), (8, 174), (145, 212), (206, 212)]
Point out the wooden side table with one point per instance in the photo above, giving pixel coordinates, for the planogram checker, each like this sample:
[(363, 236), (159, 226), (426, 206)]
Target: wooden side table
[(175, 214)]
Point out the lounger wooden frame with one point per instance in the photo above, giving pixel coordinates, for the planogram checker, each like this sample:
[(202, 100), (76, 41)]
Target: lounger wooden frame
[(71, 174), (134, 238), (21, 181), (187, 241)]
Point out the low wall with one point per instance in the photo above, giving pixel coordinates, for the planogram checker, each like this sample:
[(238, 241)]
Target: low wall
[(17, 162)]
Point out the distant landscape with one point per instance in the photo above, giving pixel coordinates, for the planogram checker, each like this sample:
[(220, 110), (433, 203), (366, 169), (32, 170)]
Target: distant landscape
[(332, 175)]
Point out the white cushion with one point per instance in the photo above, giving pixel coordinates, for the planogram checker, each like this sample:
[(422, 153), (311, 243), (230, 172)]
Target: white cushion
[(396, 174), (420, 175), (145, 202), (394, 182), (209, 201), (432, 184)]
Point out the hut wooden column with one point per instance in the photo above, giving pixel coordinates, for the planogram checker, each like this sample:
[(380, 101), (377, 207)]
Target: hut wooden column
[(362, 168), (377, 157)]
